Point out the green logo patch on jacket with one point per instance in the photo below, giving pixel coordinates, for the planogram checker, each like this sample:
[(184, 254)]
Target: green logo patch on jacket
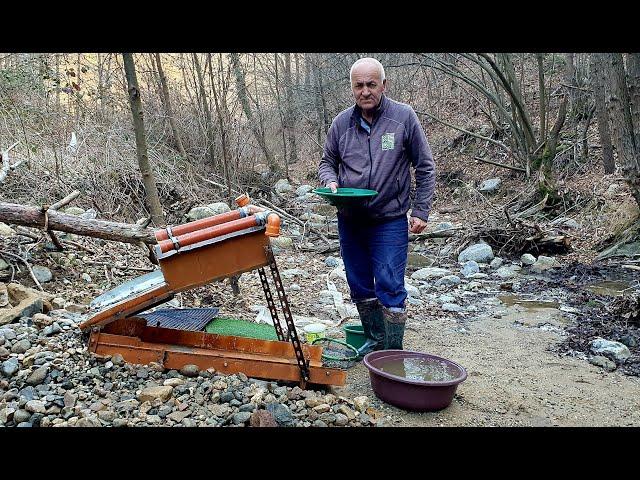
[(388, 141)]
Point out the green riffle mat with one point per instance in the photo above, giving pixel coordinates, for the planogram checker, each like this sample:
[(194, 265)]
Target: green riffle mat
[(241, 328)]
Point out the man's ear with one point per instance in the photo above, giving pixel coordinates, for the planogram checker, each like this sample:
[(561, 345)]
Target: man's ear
[(384, 85)]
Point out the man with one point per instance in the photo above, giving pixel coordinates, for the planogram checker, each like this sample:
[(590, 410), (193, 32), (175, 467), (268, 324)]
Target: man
[(371, 145)]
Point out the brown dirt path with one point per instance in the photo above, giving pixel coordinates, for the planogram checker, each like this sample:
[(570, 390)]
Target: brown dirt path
[(513, 378)]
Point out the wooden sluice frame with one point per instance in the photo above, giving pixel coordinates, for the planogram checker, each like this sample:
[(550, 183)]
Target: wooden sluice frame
[(237, 246)]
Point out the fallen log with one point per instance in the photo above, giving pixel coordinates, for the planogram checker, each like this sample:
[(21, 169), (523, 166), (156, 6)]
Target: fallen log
[(34, 217)]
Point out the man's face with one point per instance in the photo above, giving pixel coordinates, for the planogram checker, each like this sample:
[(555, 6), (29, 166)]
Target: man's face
[(367, 86)]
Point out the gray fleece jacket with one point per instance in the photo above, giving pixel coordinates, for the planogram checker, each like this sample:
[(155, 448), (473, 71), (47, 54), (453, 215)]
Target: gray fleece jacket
[(380, 160)]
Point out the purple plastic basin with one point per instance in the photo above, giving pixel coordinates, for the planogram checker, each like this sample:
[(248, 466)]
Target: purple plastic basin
[(410, 394)]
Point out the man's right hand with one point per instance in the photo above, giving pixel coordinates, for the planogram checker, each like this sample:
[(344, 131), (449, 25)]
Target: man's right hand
[(333, 186)]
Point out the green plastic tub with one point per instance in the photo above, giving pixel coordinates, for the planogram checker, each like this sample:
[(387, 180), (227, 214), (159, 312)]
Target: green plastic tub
[(354, 335)]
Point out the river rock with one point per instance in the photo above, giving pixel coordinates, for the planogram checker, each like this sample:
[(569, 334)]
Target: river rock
[(544, 263), (506, 272), (281, 414), (629, 340), (241, 418), (449, 280), (416, 261), (332, 262), (282, 242), (429, 273), (37, 376), (190, 370), (262, 418), (42, 274), (282, 186), (151, 393), (615, 350), (27, 302), (3, 265), (21, 346), (469, 268), (451, 307), (10, 367), (21, 416), (303, 190), (6, 231), (74, 211), (197, 213), (603, 362), (496, 263), (490, 186), (480, 253), (35, 406), (528, 259), (412, 291), (218, 207)]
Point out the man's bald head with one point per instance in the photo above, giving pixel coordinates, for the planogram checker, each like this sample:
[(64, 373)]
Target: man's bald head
[(370, 62)]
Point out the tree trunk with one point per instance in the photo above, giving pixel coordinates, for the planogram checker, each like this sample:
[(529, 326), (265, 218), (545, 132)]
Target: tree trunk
[(622, 123), (205, 108), (542, 96), (241, 87), (29, 216), (598, 86), (289, 111), (166, 99), (223, 134), (152, 199)]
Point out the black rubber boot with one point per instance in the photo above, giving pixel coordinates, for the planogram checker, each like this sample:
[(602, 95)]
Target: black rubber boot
[(373, 326), (394, 323)]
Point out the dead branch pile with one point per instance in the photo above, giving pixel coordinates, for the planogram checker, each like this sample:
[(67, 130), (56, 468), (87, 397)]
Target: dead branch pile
[(525, 237)]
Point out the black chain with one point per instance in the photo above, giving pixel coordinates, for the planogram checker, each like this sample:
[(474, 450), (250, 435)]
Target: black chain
[(271, 304)]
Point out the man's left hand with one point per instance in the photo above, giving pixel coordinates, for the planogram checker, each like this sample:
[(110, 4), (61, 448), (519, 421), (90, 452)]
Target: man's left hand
[(416, 225)]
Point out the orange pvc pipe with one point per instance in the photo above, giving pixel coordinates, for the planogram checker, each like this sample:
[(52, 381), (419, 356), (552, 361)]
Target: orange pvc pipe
[(208, 233), (178, 230)]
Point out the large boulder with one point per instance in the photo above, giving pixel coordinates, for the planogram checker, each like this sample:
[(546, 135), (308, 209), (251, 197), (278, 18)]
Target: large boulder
[(480, 253), (23, 302), (615, 350), (197, 213), (218, 207)]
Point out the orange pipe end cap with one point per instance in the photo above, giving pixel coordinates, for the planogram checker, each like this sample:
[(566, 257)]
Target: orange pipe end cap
[(273, 225), (242, 200)]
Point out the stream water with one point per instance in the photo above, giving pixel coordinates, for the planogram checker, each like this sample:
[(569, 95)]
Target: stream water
[(612, 288), (509, 300)]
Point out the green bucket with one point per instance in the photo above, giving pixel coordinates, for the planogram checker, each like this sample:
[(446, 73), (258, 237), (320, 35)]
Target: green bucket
[(354, 335)]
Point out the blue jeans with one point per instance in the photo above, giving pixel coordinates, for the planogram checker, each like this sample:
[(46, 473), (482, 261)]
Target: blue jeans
[(375, 258)]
